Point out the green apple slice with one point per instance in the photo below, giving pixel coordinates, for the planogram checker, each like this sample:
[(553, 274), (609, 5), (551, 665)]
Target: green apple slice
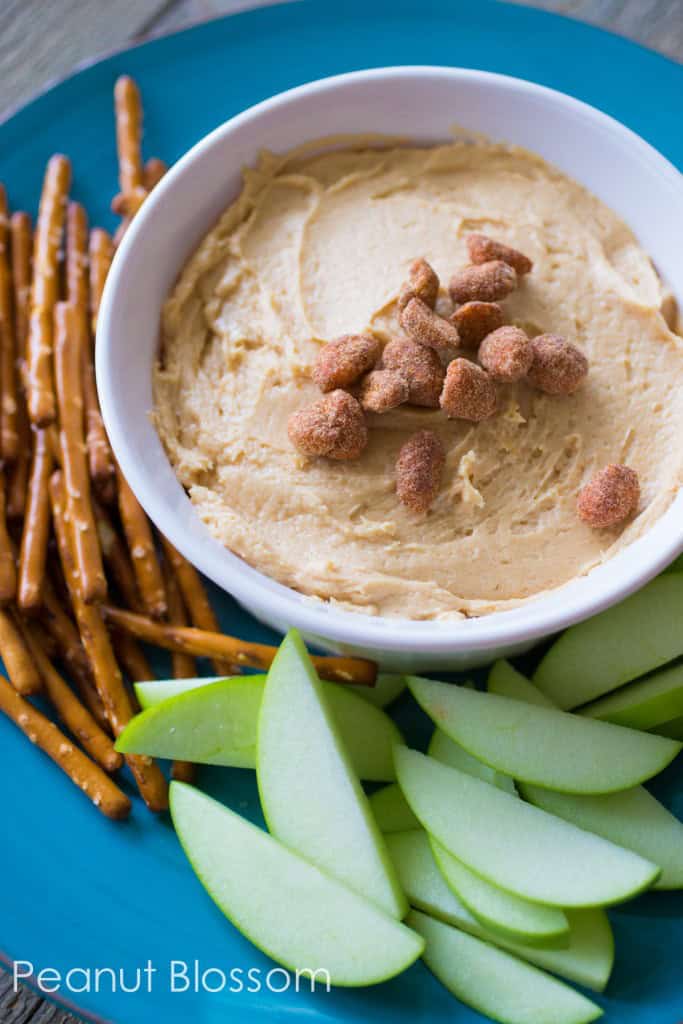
[(618, 645), (154, 692), (496, 983), (516, 846), (386, 689), (506, 681), (516, 919), (632, 818), (499, 910), (545, 746), (287, 907), (391, 810), (587, 960), (217, 724), (644, 704), (212, 724), (673, 729), (310, 795), (443, 748)]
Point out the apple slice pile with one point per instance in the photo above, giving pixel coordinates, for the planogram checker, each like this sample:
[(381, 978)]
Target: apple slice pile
[(492, 856)]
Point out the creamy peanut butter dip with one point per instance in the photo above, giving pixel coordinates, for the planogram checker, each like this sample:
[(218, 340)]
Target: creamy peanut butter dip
[(317, 245)]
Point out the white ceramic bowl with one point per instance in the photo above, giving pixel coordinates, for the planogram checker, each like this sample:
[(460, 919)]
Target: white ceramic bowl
[(424, 104)]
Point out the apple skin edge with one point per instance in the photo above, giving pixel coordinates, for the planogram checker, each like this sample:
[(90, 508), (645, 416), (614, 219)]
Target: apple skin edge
[(632, 818), (588, 959), (310, 794), (296, 920), (464, 813), (543, 745), (496, 983), (216, 723)]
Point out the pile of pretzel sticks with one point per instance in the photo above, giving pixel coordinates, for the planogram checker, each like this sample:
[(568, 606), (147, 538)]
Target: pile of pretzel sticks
[(83, 575)]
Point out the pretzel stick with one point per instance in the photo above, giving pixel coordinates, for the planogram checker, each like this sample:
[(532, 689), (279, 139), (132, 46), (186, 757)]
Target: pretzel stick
[(101, 254), (108, 680), (205, 644), (23, 673), (117, 561), (72, 713), (131, 656), (20, 227), (100, 458), (8, 572), (45, 640), (9, 437), (17, 481), (128, 111), (152, 173), (45, 291), (52, 435), (195, 598), (77, 257), (69, 328), (142, 551), (184, 665), (103, 792), (66, 638), (34, 538)]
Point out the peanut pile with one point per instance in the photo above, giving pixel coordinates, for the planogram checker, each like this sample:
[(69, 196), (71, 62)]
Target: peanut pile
[(433, 365)]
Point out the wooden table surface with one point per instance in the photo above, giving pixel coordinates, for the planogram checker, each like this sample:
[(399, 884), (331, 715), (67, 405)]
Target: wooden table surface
[(42, 42)]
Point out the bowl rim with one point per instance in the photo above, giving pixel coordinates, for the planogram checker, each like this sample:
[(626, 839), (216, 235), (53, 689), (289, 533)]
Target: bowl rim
[(517, 625)]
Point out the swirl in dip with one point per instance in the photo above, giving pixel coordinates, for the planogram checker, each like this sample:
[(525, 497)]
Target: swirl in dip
[(317, 245)]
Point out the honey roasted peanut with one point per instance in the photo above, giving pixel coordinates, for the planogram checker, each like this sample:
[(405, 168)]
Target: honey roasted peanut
[(333, 427), (420, 366), (468, 392), (383, 390), (340, 363), (422, 283), (427, 328), (419, 468), (610, 496), (483, 282), (474, 320), (483, 249), (506, 354), (557, 366)]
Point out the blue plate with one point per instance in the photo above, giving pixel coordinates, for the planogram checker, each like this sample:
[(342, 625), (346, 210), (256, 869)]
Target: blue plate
[(80, 892)]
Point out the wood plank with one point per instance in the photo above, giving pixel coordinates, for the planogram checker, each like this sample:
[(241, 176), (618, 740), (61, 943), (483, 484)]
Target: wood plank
[(42, 42), (25, 1007)]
